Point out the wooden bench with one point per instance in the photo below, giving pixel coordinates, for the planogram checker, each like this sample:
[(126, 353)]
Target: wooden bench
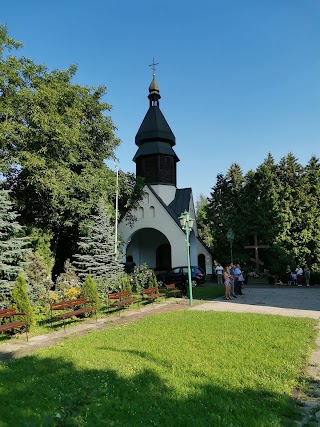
[(171, 289), (123, 299), (11, 312), (67, 305), (152, 294)]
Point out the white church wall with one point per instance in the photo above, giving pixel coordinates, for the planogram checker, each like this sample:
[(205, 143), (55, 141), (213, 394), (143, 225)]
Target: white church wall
[(166, 192), (202, 250), (192, 212), (193, 250), (157, 218)]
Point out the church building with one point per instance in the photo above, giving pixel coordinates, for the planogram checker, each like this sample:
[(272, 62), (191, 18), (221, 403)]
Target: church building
[(156, 237)]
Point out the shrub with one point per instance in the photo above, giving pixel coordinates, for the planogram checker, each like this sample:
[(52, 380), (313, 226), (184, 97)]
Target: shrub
[(153, 282), (105, 285), (39, 282), (124, 282), (68, 283), (90, 291), (20, 298), (143, 277)]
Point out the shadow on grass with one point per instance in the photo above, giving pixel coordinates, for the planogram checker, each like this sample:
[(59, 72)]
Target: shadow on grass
[(208, 292), (39, 391)]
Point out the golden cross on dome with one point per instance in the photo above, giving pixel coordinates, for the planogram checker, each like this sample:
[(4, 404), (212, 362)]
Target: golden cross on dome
[(153, 67)]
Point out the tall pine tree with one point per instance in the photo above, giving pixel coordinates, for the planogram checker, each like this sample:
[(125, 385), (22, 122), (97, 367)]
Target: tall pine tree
[(12, 247), (97, 255), (311, 212), (224, 211)]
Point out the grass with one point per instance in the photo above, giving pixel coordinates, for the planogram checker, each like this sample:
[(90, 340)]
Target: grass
[(205, 292), (188, 368), (208, 292), (42, 325)]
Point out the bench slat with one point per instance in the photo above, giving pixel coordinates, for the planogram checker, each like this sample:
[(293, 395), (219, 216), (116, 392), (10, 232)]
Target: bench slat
[(74, 313), (123, 299), (152, 294), (12, 325), (124, 302), (171, 289), (66, 304), (7, 312)]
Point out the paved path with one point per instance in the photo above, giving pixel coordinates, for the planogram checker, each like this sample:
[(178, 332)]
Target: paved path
[(283, 301)]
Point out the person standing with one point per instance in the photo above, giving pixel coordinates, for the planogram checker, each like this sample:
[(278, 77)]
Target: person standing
[(227, 282), (306, 273), (299, 273), (289, 275), (184, 281), (232, 277), (219, 271), (294, 279), (238, 280)]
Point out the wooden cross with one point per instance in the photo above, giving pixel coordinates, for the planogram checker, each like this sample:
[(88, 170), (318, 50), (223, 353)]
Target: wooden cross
[(153, 66), (256, 246)]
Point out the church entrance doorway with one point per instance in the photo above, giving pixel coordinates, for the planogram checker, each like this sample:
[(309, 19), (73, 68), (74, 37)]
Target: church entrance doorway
[(150, 246)]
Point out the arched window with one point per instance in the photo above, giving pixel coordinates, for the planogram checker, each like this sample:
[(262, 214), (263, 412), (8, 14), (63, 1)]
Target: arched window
[(152, 211), (140, 213)]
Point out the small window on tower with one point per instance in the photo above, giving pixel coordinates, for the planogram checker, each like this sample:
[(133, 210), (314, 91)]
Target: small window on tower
[(152, 211)]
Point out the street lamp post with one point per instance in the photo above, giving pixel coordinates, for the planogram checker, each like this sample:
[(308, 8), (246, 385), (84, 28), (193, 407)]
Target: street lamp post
[(230, 237), (187, 223)]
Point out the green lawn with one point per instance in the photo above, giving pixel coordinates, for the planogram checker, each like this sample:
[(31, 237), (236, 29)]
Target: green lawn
[(42, 325), (208, 292), (176, 369)]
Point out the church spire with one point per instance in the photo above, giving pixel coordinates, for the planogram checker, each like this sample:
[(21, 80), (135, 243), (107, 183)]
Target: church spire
[(155, 158), (154, 91)]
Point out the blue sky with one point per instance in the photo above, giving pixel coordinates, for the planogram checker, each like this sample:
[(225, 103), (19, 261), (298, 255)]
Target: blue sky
[(237, 78)]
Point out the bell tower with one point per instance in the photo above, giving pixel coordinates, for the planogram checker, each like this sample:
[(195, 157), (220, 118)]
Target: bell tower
[(155, 158)]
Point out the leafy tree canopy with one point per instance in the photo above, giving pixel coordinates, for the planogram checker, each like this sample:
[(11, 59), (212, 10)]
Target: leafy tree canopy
[(55, 136)]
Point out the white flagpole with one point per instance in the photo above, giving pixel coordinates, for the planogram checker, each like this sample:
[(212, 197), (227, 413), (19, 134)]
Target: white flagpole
[(116, 224)]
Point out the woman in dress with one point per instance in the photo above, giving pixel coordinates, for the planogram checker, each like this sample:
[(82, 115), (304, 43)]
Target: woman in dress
[(306, 273), (299, 273), (227, 282)]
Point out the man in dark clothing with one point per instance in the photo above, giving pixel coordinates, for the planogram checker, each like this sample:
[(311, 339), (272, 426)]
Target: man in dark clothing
[(232, 280), (184, 281)]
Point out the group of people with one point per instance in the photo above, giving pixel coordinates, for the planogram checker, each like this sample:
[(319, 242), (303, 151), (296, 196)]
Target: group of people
[(232, 277), (298, 276)]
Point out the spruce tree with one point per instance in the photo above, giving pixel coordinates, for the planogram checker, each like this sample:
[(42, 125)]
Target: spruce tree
[(224, 211), (311, 212), (293, 205), (261, 209), (97, 255), (12, 247)]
